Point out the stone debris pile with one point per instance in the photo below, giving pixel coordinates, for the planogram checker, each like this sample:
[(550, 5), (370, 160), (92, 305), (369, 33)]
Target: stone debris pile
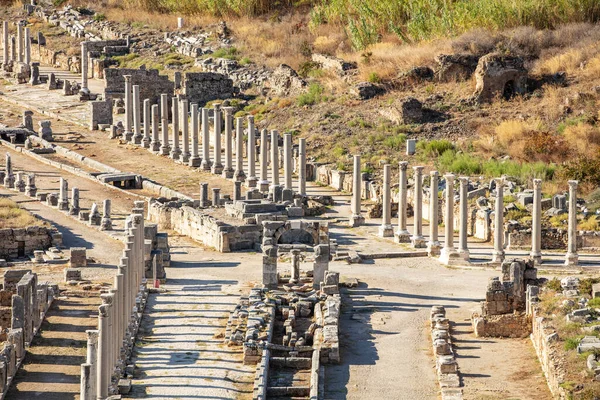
[(446, 365)]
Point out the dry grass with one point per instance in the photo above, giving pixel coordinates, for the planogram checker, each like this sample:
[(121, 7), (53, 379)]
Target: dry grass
[(584, 139), (12, 216)]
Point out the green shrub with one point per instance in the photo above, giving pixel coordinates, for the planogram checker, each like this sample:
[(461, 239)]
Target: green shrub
[(305, 68), (245, 61), (312, 97), (395, 142), (374, 77), (594, 303), (231, 53), (585, 285), (434, 148), (99, 17), (572, 343), (554, 284)]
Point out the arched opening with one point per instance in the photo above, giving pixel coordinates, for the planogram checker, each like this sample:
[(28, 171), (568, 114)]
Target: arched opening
[(296, 236), (509, 90)]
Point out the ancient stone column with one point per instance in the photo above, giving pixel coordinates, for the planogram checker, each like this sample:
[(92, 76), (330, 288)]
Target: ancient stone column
[(104, 369), (228, 171), (302, 167), (498, 253), (155, 144), (5, 42), (216, 197), (264, 180), (84, 68), (146, 140), (106, 223), (237, 190), (30, 188), (63, 201), (175, 151), (433, 246), (449, 253), (206, 164), (27, 42), (185, 131), (295, 266), (164, 116), (386, 229), (74, 209), (463, 247), (356, 219), (13, 50), (217, 167), (275, 157), (417, 240), (195, 159), (137, 120), (128, 108), (204, 195), (572, 258), (239, 175), (9, 177), (251, 181), (86, 382), (19, 43), (536, 223), (402, 235), (287, 160), (92, 361)]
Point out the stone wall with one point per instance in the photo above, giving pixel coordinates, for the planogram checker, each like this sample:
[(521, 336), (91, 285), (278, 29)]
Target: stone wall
[(547, 348), (16, 243), (553, 239), (101, 113), (202, 87), (205, 228), (152, 85), (58, 59)]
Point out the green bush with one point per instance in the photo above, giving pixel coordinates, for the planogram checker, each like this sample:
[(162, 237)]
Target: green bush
[(374, 77), (312, 97), (434, 148), (554, 284), (231, 53), (594, 303), (395, 142), (585, 285), (572, 343), (99, 17)]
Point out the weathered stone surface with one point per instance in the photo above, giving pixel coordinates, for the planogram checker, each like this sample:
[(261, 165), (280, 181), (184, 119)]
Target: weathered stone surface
[(499, 76)]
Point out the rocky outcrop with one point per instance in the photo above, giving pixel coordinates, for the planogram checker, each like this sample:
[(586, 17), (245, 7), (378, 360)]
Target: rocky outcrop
[(285, 81), (498, 75), (455, 67)]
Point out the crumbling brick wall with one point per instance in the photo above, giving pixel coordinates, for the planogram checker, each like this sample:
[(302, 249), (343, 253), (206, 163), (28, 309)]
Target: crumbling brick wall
[(20, 242)]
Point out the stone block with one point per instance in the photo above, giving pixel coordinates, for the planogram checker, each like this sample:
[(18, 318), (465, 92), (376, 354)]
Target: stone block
[(78, 257)]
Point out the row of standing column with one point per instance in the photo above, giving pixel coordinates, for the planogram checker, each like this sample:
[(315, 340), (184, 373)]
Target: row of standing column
[(183, 114), (16, 48)]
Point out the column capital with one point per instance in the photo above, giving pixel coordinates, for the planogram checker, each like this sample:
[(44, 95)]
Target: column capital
[(499, 182), (537, 184), (228, 111), (434, 174), (107, 299), (464, 180), (92, 335), (403, 165), (250, 118), (217, 106), (418, 169), (127, 78), (103, 310), (449, 177), (573, 184)]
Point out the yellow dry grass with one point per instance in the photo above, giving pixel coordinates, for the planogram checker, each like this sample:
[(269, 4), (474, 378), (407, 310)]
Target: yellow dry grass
[(12, 216), (584, 139)]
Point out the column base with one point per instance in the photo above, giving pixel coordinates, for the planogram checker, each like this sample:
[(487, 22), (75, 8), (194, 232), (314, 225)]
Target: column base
[(185, 158), (155, 147), (402, 237), (63, 206), (195, 162), (536, 257), (434, 249), (146, 143), (175, 154), (128, 136), (227, 173), (164, 150), (465, 254), (137, 139), (205, 165), (217, 169), (386, 230), (251, 182), (449, 256), (572, 259), (418, 242), (498, 256), (356, 220), (240, 176)]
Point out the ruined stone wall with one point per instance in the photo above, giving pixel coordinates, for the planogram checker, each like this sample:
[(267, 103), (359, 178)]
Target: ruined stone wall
[(202, 87), (23, 241), (506, 325), (553, 239), (57, 59), (547, 348), (205, 228), (152, 85)]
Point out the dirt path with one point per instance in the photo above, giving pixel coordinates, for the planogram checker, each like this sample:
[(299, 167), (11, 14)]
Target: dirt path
[(52, 366)]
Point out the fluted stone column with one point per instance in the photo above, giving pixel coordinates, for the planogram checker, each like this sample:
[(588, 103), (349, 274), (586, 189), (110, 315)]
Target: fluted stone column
[(251, 181), (402, 235), (27, 43), (137, 120), (147, 139), (175, 151), (463, 247), (63, 200), (287, 161), (240, 175), (498, 253), (128, 108), (417, 239), (302, 167), (19, 43), (228, 170), (217, 167), (206, 163), (449, 253), (74, 209), (195, 159), (264, 162), (356, 219), (275, 157), (433, 246), (572, 258), (5, 43), (185, 131), (536, 223), (84, 68), (155, 144), (386, 229), (164, 116)]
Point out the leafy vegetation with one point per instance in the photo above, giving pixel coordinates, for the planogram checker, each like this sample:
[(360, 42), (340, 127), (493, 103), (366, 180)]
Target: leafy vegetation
[(312, 97)]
